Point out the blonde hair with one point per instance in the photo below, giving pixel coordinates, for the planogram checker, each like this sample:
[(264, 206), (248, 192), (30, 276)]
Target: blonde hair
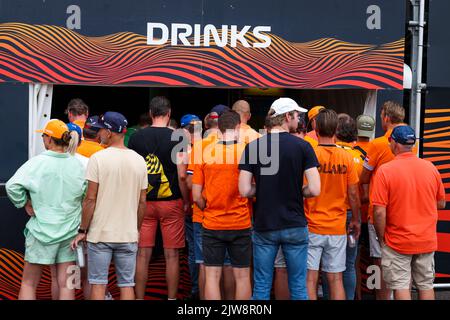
[(272, 121), (394, 111), (73, 143)]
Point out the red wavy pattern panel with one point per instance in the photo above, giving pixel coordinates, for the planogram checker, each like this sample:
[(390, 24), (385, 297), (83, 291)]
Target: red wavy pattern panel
[(12, 262), (51, 54)]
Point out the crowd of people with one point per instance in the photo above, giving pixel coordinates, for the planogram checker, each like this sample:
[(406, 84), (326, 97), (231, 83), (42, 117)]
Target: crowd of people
[(280, 211)]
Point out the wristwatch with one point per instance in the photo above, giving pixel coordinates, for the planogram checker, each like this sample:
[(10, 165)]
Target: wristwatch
[(82, 231)]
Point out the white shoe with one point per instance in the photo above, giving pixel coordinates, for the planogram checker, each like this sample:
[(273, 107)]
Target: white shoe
[(108, 296)]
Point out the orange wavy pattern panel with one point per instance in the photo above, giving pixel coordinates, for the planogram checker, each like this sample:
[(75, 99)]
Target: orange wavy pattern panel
[(12, 262), (51, 54), (436, 148)]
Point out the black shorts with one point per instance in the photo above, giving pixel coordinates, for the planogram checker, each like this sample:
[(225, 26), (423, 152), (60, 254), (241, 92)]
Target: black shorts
[(238, 243)]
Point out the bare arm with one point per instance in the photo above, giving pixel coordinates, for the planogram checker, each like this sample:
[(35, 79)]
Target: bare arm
[(312, 189), (198, 197), (365, 176), (246, 188), (88, 212), (355, 205), (89, 205), (182, 177), (141, 208), (441, 204), (379, 217), (365, 193), (189, 181)]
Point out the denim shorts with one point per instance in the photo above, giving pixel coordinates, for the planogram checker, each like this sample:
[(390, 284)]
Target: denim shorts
[(198, 245), (99, 259)]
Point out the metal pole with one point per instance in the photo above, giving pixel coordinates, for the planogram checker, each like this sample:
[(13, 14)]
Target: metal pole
[(417, 28)]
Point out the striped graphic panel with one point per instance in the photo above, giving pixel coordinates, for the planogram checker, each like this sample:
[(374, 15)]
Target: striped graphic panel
[(51, 54), (436, 148), (11, 266)]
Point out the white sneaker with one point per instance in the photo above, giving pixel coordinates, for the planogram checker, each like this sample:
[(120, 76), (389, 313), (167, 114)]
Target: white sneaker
[(108, 296)]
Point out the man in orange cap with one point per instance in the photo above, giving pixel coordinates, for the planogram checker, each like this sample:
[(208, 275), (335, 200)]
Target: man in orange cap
[(311, 136)]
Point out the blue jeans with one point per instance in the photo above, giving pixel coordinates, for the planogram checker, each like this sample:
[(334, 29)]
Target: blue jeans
[(294, 243), (193, 267), (349, 275)]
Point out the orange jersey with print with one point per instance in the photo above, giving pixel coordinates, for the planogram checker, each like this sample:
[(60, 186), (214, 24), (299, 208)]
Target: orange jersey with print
[(88, 148), (194, 158), (219, 176), (409, 188), (327, 213), (247, 134)]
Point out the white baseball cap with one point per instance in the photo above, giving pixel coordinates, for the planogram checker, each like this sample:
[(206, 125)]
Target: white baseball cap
[(285, 105)]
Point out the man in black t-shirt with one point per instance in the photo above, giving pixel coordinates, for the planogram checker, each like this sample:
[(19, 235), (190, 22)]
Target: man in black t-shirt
[(278, 161), (167, 196)]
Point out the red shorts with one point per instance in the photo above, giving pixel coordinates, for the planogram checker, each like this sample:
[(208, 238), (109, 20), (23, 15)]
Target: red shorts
[(170, 216)]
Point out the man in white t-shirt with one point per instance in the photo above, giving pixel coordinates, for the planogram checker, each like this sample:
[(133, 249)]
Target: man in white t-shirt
[(113, 209)]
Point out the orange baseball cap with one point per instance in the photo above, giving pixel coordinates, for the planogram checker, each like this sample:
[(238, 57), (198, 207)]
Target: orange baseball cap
[(313, 112), (54, 128)]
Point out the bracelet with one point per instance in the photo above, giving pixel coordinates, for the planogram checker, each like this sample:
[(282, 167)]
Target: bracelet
[(82, 231)]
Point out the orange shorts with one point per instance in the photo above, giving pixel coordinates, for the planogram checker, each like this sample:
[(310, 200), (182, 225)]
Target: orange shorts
[(170, 216)]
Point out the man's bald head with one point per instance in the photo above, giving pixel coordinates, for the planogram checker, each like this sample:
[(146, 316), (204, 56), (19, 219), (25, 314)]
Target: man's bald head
[(243, 108)]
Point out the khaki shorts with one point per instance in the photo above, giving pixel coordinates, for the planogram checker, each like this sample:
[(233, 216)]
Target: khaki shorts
[(398, 269)]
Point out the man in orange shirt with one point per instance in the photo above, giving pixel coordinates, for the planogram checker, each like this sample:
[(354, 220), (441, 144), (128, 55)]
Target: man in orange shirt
[(346, 134), (196, 157), (192, 129), (77, 111), (379, 153), (327, 213), (226, 215), (246, 133), (407, 193), (365, 125), (311, 136), (91, 143)]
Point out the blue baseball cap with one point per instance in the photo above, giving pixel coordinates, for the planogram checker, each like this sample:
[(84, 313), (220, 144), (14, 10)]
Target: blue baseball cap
[(188, 119), (91, 122), (73, 127), (220, 108), (404, 135), (114, 121)]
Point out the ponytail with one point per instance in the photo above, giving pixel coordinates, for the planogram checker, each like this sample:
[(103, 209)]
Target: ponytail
[(71, 139), (64, 141)]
